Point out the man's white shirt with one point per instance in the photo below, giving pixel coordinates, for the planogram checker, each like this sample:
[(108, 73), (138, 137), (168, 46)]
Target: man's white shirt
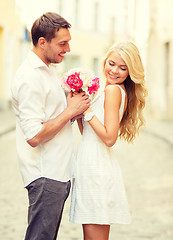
[(38, 97)]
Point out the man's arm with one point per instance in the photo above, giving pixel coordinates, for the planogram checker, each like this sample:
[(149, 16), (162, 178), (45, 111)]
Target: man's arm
[(75, 106)]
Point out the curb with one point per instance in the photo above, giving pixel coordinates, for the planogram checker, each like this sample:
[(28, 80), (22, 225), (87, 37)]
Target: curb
[(161, 137), (7, 130)]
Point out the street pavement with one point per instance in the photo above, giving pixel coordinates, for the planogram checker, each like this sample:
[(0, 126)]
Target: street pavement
[(147, 167), (7, 121)]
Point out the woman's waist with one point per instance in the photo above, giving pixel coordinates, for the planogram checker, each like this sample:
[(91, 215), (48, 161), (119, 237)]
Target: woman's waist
[(91, 137)]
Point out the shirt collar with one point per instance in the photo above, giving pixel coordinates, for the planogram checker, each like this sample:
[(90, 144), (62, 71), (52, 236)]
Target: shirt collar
[(35, 60)]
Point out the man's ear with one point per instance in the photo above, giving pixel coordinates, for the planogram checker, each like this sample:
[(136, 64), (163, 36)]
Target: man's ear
[(42, 42)]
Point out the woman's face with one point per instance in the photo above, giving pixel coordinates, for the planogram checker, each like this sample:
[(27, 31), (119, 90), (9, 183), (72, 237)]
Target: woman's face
[(115, 70)]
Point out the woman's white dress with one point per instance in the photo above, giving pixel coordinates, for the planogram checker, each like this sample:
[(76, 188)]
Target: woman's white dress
[(98, 194)]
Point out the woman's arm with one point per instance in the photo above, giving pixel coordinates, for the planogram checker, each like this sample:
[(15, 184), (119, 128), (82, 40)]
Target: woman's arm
[(109, 131)]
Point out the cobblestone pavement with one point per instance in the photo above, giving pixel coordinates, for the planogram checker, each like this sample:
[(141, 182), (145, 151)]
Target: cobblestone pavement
[(147, 167)]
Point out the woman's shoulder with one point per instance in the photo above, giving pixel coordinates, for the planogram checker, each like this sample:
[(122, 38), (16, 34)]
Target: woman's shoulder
[(113, 95), (112, 89)]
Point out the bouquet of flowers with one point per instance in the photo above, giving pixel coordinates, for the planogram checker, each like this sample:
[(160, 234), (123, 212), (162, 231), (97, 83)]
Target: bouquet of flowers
[(79, 79)]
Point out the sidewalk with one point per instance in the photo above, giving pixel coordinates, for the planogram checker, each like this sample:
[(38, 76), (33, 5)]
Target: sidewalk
[(7, 121), (147, 175), (162, 129)]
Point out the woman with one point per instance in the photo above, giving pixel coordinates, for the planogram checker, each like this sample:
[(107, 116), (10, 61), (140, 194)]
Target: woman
[(98, 196)]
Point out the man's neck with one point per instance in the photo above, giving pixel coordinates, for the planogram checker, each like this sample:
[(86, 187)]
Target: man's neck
[(39, 54)]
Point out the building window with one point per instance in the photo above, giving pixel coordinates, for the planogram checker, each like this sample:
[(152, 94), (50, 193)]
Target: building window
[(76, 12), (96, 66), (112, 27), (27, 35), (96, 15), (71, 61), (167, 72), (167, 49), (1, 64), (60, 6)]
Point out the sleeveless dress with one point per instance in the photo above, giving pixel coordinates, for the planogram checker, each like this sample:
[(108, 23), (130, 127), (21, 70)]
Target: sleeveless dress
[(98, 194)]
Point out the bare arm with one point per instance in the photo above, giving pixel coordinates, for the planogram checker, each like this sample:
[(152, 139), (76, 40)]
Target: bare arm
[(109, 131), (75, 106)]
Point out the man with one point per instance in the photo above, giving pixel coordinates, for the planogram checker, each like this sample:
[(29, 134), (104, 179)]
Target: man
[(43, 131)]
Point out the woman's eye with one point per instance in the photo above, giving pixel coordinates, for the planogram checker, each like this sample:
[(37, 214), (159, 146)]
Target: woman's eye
[(111, 64)]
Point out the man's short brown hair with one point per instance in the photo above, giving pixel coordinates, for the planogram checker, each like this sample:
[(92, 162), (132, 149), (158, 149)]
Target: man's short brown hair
[(46, 26)]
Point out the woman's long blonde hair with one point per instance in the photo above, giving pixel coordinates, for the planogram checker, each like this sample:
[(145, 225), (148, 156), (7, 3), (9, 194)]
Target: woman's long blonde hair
[(135, 87)]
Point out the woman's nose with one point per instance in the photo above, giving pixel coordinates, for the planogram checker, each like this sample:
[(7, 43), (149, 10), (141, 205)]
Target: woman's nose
[(115, 69)]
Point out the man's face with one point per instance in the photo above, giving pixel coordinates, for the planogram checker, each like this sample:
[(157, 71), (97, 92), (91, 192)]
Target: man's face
[(55, 50)]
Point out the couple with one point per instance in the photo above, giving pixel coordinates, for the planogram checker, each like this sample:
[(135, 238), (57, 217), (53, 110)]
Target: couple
[(45, 141)]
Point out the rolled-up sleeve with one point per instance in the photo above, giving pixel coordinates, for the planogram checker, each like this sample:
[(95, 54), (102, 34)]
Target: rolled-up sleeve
[(30, 100)]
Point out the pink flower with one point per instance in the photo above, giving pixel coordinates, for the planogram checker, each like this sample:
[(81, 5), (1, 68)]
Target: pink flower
[(94, 87), (78, 79), (74, 81)]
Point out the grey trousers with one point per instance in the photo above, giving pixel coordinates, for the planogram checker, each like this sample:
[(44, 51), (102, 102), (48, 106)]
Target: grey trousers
[(46, 203)]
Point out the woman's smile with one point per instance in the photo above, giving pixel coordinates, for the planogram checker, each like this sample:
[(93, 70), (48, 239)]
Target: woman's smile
[(116, 70)]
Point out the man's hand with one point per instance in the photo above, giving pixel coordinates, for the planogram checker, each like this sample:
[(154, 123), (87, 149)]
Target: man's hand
[(77, 103), (77, 117)]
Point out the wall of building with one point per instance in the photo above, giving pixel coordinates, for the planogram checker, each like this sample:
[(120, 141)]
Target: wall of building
[(150, 26), (96, 25), (10, 39), (160, 59)]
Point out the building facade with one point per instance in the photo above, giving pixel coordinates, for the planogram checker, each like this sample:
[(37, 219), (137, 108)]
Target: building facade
[(11, 37), (160, 59), (96, 25)]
